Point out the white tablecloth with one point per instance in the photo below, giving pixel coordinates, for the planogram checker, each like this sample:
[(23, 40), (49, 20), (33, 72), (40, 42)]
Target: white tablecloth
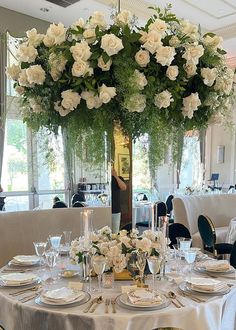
[(231, 234), (218, 313)]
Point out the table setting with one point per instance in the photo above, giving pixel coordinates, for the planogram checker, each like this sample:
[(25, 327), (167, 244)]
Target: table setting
[(81, 287)]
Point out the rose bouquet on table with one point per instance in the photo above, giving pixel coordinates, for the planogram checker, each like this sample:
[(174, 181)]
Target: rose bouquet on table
[(161, 78), (117, 248)]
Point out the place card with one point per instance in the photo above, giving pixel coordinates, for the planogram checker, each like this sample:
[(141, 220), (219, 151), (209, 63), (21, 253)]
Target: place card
[(77, 286), (128, 288)]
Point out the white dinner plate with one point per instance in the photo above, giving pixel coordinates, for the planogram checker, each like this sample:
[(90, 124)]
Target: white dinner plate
[(7, 285), (123, 301), (202, 269), (186, 287), (79, 301)]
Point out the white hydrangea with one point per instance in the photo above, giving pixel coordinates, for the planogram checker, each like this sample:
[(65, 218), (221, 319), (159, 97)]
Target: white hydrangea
[(190, 104), (111, 44), (136, 103), (26, 53), (165, 55), (163, 99)]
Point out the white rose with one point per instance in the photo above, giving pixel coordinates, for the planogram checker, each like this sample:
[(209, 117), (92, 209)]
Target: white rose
[(136, 103), (63, 112), (91, 99), (34, 38), (57, 32), (158, 25), (144, 244), (119, 263), (190, 68), (165, 55), (81, 51), (81, 68), (35, 105), (142, 57), (23, 79), (123, 18), (48, 41), (36, 74), (97, 19), (209, 76), (79, 23), (104, 66), (193, 53), (26, 53), (20, 90), (70, 99), (111, 44), (174, 41), (212, 42), (153, 41), (106, 93), (190, 104), (163, 99), (89, 35), (140, 79), (189, 29), (13, 71), (143, 37), (172, 72)]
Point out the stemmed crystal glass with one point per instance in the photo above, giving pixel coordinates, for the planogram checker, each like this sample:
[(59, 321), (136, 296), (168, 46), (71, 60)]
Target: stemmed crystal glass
[(190, 256), (141, 263), (40, 250), (55, 242), (51, 260), (99, 264), (154, 264)]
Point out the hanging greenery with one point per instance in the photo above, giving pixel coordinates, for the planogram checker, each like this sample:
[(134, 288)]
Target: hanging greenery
[(161, 79)]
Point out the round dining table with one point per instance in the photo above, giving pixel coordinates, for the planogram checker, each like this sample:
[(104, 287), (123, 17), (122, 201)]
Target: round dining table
[(217, 312)]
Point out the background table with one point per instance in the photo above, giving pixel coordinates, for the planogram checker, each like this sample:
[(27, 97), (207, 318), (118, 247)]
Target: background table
[(231, 234)]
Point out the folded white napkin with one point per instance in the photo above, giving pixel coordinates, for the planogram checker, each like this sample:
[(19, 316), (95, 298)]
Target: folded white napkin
[(143, 297), (16, 278), (26, 259), (216, 265), (206, 284), (62, 295)]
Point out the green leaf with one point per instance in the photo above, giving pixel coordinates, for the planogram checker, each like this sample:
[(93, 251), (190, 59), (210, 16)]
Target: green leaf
[(105, 57)]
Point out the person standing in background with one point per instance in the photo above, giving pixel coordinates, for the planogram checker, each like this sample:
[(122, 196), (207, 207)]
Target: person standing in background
[(117, 185)]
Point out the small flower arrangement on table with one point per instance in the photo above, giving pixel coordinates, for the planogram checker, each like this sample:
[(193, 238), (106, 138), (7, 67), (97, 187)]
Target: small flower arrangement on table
[(118, 248)]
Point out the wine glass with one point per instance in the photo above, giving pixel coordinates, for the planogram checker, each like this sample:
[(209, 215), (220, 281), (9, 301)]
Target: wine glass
[(141, 263), (55, 242), (51, 260), (40, 250), (190, 256), (154, 264), (99, 264)]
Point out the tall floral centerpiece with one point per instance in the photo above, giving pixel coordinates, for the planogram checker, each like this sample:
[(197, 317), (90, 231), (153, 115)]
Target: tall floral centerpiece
[(160, 79)]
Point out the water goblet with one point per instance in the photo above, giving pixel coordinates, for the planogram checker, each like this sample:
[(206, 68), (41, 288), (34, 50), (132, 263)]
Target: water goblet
[(51, 260), (154, 264), (55, 242), (40, 250), (99, 264), (190, 256), (185, 244), (141, 263)]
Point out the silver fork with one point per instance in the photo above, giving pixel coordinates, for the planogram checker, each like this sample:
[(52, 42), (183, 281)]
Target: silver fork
[(107, 303), (113, 304)]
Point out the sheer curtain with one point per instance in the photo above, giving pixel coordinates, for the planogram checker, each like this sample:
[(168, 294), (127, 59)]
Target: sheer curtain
[(3, 63)]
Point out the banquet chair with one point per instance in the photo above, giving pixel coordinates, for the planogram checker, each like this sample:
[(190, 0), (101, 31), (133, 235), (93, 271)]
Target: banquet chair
[(59, 205), (207, 232), (232, 259), (177, 230), (127, 226), (159, 211), (78, 204), (169, 208)]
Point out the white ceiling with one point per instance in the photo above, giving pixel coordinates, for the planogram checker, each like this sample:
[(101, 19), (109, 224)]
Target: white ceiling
[(212, 15)]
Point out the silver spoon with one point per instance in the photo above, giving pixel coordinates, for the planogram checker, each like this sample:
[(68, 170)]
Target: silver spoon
[(172, 295)]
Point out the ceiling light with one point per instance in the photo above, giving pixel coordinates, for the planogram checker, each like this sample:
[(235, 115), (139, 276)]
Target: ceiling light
[(44, 9)]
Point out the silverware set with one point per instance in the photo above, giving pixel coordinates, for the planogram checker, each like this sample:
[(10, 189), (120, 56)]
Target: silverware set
[(32, 293), (192, 297), (97, 301)]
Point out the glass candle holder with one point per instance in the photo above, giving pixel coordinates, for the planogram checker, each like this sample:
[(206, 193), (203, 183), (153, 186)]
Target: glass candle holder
[(108, 280)]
